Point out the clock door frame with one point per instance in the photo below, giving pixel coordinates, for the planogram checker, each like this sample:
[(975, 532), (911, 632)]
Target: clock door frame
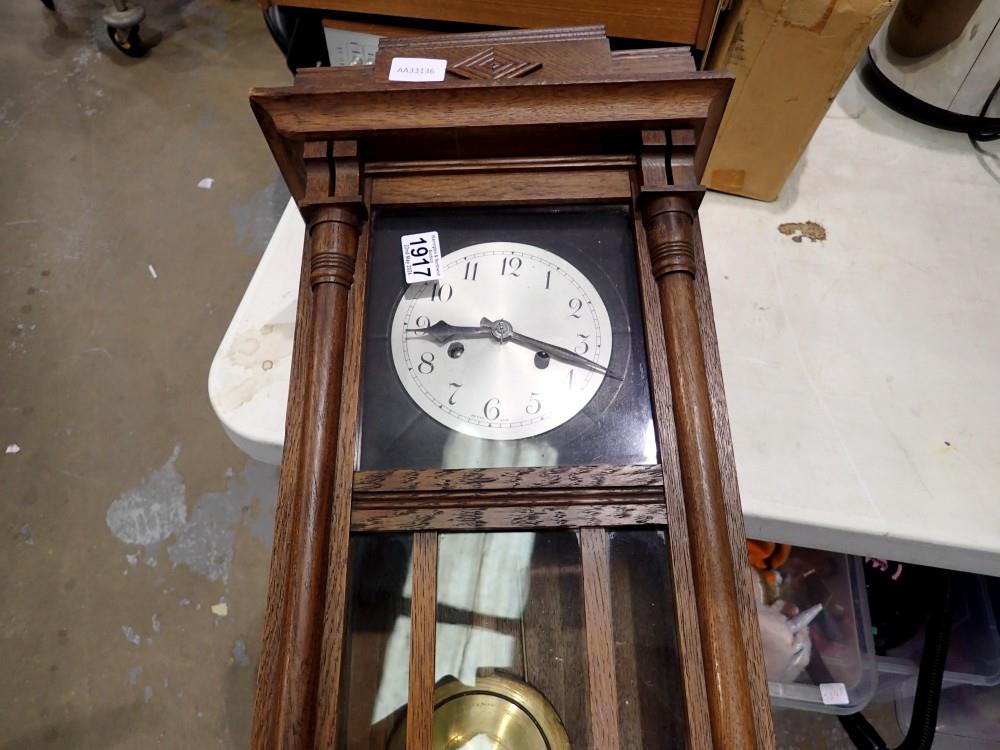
[(523, 118)]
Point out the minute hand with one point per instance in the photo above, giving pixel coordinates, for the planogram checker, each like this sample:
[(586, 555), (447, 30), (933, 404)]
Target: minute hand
[(557, 352)]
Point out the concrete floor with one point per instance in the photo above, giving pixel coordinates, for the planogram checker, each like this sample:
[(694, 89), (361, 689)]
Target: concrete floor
[(127, 514), (136, 537)]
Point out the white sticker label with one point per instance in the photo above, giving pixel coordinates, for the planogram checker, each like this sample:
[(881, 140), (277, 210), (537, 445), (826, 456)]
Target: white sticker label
[(421, 257), (417, 69), (834, 694)]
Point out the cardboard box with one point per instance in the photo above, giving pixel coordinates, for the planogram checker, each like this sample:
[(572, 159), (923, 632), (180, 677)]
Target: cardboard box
[(790, 58)]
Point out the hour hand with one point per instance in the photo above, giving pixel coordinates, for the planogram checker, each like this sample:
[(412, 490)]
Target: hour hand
[(444, 332)]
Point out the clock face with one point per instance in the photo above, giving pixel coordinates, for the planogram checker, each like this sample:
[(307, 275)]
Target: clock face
[(511, 342), (529, 351)]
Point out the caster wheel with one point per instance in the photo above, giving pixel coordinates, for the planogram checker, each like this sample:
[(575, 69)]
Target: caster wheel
[(127, 40), (50, 4)]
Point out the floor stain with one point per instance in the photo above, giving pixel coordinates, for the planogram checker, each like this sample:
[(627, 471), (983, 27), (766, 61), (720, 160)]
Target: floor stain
[(798, 229), (130, 635), (156, 510), (240, 654), (205, 543), (153, 510)]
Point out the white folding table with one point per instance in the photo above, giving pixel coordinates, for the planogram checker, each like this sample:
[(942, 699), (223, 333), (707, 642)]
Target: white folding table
[(862, 370)]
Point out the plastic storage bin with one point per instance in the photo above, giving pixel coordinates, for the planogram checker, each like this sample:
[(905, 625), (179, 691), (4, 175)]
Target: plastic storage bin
[(841, 635), (968, 717), (973, 652), (969, 714)]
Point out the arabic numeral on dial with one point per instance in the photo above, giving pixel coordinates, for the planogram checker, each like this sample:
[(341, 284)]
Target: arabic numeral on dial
[(441, 292), (511, 266), (422, 321), (534, 405), (548, 278), (582, 346), (456, 386), (575, 305), (491, 409), (426, 366), (470, 271)]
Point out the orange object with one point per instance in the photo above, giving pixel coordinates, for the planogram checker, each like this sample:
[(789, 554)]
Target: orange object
[(768, 557)]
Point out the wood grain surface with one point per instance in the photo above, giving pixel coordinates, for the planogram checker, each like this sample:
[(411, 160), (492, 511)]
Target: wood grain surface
[(523, 188), (299, 636), (580, 85), (547, 477), (595, 554), (679, 22), (420, 709), (621, 101), (694, 696), (285, 706), (505, 498), (530, 518), (497, 165), (329, 697), (668, 223)]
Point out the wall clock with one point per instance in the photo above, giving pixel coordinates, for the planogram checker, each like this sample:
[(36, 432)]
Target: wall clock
[(507, 514)]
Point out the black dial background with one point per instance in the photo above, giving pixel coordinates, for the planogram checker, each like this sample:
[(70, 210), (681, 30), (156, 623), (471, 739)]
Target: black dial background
[(598, 240)]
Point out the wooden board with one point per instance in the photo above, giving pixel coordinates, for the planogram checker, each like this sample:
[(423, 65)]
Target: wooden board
[(679, 21)]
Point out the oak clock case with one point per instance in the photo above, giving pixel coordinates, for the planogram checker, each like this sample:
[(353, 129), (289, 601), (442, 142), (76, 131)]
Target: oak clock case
[(584, 571), (444, 388)]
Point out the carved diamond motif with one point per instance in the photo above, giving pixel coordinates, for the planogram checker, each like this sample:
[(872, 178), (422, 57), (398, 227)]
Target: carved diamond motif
[(493, 64)]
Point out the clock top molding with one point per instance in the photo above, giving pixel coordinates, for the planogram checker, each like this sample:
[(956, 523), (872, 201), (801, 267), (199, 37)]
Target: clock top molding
[(544, 93)]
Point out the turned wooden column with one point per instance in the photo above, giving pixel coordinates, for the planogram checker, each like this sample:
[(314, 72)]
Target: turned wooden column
[(331, 249), (669, 226)]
